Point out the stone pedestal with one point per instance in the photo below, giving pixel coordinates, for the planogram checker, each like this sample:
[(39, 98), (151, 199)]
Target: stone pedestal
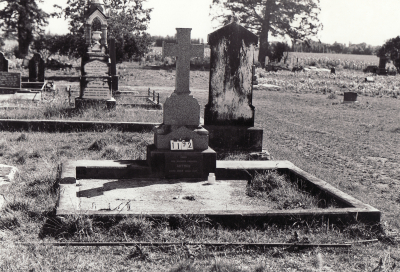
[(235, 138)]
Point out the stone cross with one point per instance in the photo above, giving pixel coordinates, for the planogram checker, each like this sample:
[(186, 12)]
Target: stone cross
[(183, 50)]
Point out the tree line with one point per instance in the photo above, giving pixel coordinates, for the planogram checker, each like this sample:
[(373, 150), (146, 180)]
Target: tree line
[(336, 48)]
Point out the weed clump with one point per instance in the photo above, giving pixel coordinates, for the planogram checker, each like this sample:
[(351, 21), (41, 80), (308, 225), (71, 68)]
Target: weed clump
[(20, 157), (22, 137), (9, 222), (332, 96), (132, 227), (111, 153), (98, 145), (282, 192)]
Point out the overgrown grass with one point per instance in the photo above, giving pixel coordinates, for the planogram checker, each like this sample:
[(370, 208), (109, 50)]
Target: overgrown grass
[(353, 147), (281, 191)]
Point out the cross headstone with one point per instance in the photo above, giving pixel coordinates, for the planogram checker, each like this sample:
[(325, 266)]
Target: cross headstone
[(180, 147), (183, 50), (3, 63), (180, 108), (36, 68)]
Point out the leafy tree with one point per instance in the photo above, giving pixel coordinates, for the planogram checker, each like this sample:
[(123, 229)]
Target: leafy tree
[(22, 19), (296, 18), (127, 23), (391, 51)]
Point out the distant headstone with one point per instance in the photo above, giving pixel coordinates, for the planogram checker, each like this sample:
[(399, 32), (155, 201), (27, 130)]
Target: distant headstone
[(3, 63), (99, 80), (333, 70), (349, 97), (9, 82), (229, 113), (36, 68), (382, 66), (180, 147)]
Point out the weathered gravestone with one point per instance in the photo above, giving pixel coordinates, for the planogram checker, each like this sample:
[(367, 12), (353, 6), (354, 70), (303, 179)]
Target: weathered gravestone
[(36, 68), (382, 66), (9, 82), (350, 97), (229, 114), (3, 63), (98, 81), (180, 147)]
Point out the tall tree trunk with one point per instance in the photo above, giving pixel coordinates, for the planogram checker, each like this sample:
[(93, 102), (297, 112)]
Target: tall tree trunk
[(24, 30), (24, 40), (264, 32)]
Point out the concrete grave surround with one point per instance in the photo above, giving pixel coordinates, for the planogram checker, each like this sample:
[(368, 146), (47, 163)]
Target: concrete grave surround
[(3, 63), (130, 188)]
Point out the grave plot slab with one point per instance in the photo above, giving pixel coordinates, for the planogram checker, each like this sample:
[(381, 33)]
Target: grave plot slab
[(130, 188)]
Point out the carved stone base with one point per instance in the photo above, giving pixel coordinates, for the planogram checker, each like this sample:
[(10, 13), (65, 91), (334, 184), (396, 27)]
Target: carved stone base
[(181, 164), (235, 138), (163, 134)]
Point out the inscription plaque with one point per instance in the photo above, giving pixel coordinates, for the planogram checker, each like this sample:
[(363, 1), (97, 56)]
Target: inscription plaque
[(183, 165), (97, 88), (96, 67), (11, 80)]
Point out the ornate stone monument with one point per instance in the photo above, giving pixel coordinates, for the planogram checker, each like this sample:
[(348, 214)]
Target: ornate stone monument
[(98, 81), (180, 147), (229, 114)]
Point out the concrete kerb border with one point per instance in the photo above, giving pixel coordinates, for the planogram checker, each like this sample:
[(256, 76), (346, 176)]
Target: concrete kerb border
[(68, 126), (354, 209)]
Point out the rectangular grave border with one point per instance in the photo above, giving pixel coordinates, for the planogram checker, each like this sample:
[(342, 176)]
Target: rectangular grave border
[(354, 210), (73, 126)]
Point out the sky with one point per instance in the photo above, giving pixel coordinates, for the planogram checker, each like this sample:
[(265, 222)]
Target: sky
[(355, 21)]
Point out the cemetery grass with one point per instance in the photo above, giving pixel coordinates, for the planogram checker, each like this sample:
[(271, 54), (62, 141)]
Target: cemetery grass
[(354, 147), (29, 216)]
